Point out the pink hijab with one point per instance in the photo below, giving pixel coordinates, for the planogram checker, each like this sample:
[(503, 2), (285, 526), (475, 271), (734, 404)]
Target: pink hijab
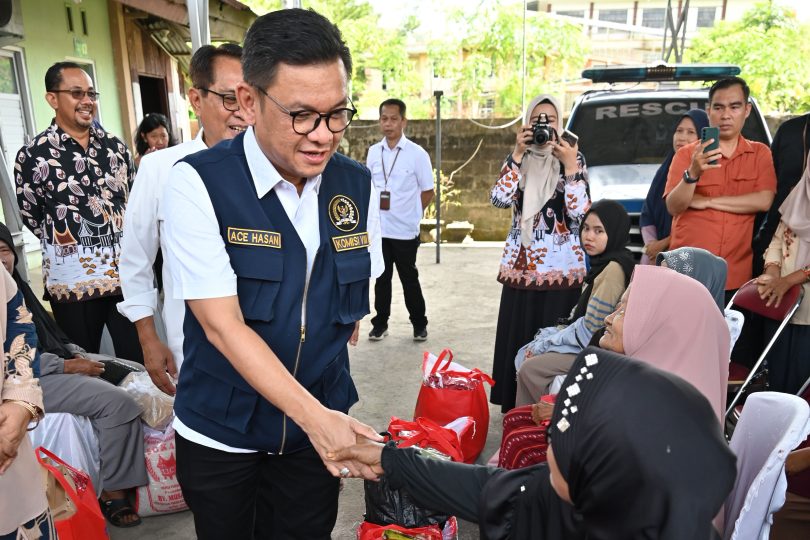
[(672, 322)]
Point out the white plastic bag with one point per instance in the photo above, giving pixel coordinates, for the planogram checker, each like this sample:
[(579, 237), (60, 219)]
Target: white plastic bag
[(157, 408), (70, 437)]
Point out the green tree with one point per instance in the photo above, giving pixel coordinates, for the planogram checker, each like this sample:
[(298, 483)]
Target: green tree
[(772, 48), (555, 52), (373, 48)]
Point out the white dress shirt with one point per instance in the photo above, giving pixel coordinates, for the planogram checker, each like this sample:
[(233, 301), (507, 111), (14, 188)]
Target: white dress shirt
[(195, 249), (142, 237), (409, 173)]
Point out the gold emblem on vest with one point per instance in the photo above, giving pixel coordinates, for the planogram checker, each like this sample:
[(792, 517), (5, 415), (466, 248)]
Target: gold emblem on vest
[(253, 237), (343, 213), (350, 241)]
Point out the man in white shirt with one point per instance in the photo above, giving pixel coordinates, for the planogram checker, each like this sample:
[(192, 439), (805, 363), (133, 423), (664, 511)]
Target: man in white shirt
[(403, 176), (215, 72), (271, 239)]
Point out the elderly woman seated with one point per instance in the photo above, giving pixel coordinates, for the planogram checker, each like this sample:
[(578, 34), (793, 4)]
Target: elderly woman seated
[(70, 384), (664, 318), (635, 453)]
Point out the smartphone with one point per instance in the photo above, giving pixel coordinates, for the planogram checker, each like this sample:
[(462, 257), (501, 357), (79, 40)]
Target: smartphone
[(711, 133), (569, 137)]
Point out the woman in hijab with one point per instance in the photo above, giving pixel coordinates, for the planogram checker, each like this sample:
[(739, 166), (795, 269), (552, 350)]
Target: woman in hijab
[(787, 263), (655, 220), (671, 321), (636, 454), (604, 236), (23, 505), (70, 384), (710, 270), (543, 265)]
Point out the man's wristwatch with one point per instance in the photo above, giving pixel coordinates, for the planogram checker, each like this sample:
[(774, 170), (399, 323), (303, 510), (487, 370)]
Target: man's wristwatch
[(688, 179)]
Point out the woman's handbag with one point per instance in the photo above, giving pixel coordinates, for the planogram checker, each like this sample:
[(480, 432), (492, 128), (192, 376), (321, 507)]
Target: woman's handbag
[(450, 391), (524, 443), (71, 499)]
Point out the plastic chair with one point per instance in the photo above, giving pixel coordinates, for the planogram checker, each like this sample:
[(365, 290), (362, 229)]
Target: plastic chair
[(747, 297), (771, 425)]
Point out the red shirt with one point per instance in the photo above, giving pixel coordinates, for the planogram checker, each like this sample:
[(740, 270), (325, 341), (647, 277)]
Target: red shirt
[(727, 235)]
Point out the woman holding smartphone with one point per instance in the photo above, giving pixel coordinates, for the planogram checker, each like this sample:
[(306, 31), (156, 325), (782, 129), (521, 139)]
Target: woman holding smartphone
[(543, 265), (655, 220)]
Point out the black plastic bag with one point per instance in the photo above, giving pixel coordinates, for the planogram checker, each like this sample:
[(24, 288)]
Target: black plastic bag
[(388, 506)]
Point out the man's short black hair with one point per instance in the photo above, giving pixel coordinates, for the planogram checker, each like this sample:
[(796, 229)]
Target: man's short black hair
[(394, 102), (728, 82), (53, 77), (298, 37), (201, 68)]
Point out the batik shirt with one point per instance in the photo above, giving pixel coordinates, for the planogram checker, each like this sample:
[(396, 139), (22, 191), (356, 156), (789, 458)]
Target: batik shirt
[(73, 199), (554, 259)]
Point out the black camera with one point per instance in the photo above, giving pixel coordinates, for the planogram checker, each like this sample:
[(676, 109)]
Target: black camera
[(542, 132)]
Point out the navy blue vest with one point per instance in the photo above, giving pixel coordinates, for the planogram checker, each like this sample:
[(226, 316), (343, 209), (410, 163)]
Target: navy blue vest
[(269, 260)]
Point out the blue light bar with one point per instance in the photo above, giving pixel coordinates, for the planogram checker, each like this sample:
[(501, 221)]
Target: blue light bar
[(661, 72)]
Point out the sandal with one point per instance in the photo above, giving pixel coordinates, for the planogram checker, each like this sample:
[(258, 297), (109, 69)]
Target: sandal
[(115, 510)]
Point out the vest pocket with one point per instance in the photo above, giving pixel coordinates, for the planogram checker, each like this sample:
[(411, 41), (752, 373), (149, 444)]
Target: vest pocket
[(353, 273), (222, 398), (259, 271), (339, 392)]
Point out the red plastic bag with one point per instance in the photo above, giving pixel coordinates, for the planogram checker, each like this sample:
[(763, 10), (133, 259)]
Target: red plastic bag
[(87, 522), (162, 494), (371, 531), (450, 391), (425, 433)]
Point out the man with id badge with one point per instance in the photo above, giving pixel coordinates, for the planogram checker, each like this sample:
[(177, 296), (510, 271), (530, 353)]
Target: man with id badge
[(403, 176)]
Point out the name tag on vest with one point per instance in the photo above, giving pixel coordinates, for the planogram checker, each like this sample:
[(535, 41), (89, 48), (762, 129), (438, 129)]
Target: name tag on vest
[(350, 241), (252, 237)]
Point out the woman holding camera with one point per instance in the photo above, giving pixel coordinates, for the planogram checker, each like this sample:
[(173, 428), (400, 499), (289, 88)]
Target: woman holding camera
[(545, 183)]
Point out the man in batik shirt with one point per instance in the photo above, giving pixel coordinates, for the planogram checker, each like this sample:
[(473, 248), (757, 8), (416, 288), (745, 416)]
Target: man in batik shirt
[(72, 182)]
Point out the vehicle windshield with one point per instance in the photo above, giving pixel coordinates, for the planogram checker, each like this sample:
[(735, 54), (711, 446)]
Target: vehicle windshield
[(638, 131)]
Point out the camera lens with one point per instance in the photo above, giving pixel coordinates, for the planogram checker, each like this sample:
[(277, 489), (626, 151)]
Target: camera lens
[(541, 134)]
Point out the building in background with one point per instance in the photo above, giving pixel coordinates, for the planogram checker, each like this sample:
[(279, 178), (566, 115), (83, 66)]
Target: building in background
[(136, 51)]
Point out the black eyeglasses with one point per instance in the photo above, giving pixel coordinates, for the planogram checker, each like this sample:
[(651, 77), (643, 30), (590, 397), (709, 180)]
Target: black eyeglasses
[(228, 100), (305, 122), (78, 93)]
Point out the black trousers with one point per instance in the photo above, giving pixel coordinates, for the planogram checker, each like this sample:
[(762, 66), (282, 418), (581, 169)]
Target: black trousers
[(257, 495), (401, 253), (84, 322)]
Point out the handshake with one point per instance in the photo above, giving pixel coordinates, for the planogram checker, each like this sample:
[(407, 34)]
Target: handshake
[(366, 455)]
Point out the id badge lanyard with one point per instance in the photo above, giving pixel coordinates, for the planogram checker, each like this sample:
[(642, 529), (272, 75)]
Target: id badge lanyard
[(385, 195)]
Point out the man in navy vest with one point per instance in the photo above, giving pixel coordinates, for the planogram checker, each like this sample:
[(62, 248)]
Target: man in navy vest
[(271, 241)]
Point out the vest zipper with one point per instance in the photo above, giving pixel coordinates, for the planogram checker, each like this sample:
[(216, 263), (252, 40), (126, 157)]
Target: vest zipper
[(303, 337)]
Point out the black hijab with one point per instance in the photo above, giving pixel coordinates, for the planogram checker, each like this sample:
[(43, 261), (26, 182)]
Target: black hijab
[(50, 337), (654, 211), (641, 450), (616, 222)]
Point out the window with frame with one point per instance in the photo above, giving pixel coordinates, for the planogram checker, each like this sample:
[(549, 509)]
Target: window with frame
[(487, 108), (572, 13), (613, 15), (706, 16), (653, 17)]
